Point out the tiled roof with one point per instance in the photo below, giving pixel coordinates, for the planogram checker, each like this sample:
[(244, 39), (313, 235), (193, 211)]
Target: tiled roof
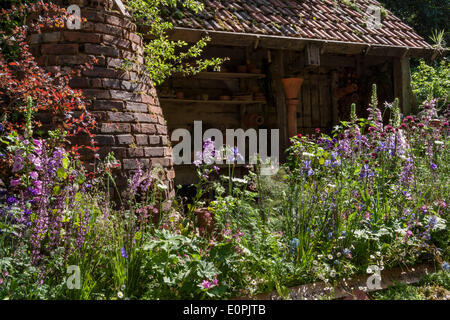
[(306, 19)]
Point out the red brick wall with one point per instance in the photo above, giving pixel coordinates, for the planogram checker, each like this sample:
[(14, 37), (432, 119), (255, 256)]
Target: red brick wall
[(130, 119)]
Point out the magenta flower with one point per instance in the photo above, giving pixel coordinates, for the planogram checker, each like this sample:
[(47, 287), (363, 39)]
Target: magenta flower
[(33, 175), (15, 182), (215, 281), (206, 284)]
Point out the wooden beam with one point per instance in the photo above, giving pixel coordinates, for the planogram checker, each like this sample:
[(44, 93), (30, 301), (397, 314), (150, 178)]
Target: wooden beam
[(277, 73), (290, 43), (334, 99)]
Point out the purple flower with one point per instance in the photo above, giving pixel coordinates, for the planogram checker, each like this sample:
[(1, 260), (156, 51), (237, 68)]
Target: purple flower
[(11, 200), (206, 284), (215, 281), (33, 175), (15, 182), (433, 166), (124, 253)]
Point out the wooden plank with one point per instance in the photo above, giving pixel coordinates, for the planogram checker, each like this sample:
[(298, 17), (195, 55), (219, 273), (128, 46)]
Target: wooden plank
[(300, 113), (315, 107), (334, 99), (306, 102), (224, 75), (277, 73), (325, 102)]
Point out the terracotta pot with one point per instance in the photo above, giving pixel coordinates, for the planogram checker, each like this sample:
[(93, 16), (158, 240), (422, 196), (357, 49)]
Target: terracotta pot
[(292, 87)]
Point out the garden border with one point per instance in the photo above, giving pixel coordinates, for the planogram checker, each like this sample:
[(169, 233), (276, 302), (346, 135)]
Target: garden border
[(355, 288)]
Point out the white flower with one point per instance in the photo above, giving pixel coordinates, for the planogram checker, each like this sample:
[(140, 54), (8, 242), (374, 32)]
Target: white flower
[(378, 253), (438, 142), (307, 154), (330, 257), (372, 256), (120, 294), (315, 262), (332, 273), (369, 270), (338, 254)]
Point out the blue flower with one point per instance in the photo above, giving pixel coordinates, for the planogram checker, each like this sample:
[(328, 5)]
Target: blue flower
[(294, 245), (124, 252), (344, 233), (445, 266), (329, 235)]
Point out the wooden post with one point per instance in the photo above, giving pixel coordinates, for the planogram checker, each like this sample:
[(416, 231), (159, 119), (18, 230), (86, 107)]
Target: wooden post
[(277, 73), (402, 85), (334, 99)]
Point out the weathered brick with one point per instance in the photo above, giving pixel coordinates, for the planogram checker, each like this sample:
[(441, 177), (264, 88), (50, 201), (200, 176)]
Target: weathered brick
[(135, 152), (164, 140), (120, 117), (96, 93), (113, 20), (51, 36), (154, 140), (141, 139), (135, 38), (132, 164), (35, 38), (93, 15), (155, 109), (109, 29), (161, 129), (115, 127), (171, 174), (71, 60), (101, 50), (144, 128), (116, 41), (101, 72), (81, 37), (79, 83), (59, 49), (107, 105), (114, 63), (148, 99), (124, 95), (165, 162), (145, 117), (96, 83), (124, 139), (119, 152), (154, 152), (136, 106), (104, 139)]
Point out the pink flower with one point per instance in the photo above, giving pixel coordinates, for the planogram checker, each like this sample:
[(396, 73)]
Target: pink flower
[(215, 281), (206, 284), (409, 233)]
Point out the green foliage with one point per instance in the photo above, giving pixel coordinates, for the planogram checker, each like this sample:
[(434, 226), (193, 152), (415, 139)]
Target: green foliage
[(163, 56), (423, 15), (432, 81)]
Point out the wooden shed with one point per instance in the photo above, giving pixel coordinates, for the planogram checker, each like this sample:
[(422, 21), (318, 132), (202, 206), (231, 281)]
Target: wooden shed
[(336, 47)]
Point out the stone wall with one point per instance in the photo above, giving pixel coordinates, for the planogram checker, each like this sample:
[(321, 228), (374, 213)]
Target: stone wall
[(130, 119)]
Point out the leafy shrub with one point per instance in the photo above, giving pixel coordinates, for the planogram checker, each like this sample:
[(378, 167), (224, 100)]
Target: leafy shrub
[(430, 82)]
